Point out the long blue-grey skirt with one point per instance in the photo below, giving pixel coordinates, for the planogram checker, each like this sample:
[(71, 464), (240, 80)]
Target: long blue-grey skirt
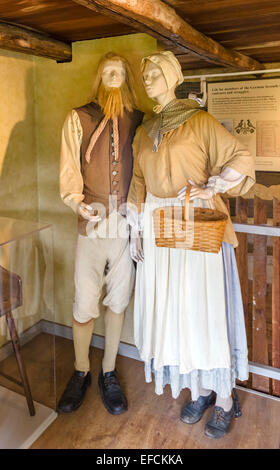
[(220, 380)]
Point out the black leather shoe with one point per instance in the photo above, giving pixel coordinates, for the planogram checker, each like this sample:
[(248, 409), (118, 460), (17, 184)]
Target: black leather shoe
[(193, 411), (112, 395), (219, 423), (74, 394)]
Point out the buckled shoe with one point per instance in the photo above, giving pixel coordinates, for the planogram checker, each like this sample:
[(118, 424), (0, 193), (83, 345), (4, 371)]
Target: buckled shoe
[(111, 393), (193, 411), (74, 394)]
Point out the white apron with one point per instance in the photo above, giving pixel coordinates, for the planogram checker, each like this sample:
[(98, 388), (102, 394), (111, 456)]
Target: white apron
[(180, 308)]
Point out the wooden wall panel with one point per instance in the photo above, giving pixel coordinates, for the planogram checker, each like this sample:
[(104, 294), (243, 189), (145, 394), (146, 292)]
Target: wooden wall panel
[(259, 329), (242, 256), (276, 298)]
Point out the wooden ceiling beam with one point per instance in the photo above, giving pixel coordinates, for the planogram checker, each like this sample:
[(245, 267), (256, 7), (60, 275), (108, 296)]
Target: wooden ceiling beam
[(22, 39), (162, 22)]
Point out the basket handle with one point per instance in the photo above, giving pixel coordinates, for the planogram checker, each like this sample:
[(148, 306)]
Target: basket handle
[(187, 203)]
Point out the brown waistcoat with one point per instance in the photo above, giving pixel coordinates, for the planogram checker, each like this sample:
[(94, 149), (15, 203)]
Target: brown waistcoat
[(102, 176)]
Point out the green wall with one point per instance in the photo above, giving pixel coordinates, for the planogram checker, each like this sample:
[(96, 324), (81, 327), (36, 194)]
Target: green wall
[(18, 176), (18, 159), (36, 96)]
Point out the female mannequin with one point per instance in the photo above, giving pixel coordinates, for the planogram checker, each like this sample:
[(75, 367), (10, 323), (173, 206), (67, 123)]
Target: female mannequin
[(189, 324)]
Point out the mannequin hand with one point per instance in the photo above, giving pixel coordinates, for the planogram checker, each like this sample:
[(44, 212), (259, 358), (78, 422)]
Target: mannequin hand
[(196, 192), (136, 245), (85, 211)]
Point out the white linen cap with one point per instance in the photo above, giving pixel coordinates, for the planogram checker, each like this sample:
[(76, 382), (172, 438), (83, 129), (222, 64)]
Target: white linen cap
[(169, 65)]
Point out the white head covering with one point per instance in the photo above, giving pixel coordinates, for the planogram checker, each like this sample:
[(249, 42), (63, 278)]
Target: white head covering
[(169, 65)]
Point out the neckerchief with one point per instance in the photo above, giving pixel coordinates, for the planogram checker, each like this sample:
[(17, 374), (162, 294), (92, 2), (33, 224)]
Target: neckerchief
[(170, 117)]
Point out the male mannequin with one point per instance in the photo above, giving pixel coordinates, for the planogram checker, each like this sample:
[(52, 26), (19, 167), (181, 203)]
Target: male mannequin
[(96, 168)]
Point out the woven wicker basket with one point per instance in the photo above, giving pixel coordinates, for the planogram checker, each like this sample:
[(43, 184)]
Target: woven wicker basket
[(191, 228)]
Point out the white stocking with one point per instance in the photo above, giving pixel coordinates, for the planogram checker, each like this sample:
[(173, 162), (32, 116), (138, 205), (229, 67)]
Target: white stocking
[(204, 392), (225, 403)]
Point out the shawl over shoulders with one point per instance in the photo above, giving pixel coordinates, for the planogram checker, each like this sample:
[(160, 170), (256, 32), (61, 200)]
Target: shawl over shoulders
[(199, 148)]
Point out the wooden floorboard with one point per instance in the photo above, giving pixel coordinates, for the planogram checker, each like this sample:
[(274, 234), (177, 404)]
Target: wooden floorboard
[(152, 421)]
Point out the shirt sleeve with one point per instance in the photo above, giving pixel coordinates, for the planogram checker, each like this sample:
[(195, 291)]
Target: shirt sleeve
[(135, 219), (71, 180), (223, 151), (225, 181), (137, 190)]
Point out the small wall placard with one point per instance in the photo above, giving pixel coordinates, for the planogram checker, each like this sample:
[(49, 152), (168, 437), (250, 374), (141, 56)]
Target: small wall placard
[(250, 110)]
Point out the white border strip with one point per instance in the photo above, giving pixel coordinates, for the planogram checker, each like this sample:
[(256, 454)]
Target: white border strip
[(126, 350), (257, 229), (231, 74), (129, 350), (264, 370), (255, 392)]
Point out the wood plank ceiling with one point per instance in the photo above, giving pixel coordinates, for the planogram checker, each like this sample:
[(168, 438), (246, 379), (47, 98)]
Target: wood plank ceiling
[(251, 28), (248, 26), (62, 19)]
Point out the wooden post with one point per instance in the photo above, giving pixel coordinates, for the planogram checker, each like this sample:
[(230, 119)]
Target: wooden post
[(259, 334), (242, 255), (20, 39), (21, 366), (276, 298), (162, 22)]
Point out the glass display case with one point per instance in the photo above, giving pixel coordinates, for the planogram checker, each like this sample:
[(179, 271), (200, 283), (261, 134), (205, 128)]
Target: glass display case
[(27, 331)]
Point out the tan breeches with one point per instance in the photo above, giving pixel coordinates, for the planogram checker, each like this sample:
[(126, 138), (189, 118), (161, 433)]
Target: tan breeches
[(101, 261)]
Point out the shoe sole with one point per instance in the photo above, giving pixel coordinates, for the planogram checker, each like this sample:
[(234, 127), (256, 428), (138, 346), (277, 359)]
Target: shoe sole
[(105, 404), (215, 437), (70, 411), (193, 422)]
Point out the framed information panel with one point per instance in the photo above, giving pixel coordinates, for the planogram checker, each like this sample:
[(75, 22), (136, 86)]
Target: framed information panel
[(250, 110)]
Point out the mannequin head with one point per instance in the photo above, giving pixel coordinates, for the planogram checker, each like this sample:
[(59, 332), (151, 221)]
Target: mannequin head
[(154, 80), (113, 87), (161, 75), (113, 74), (156, 86)]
